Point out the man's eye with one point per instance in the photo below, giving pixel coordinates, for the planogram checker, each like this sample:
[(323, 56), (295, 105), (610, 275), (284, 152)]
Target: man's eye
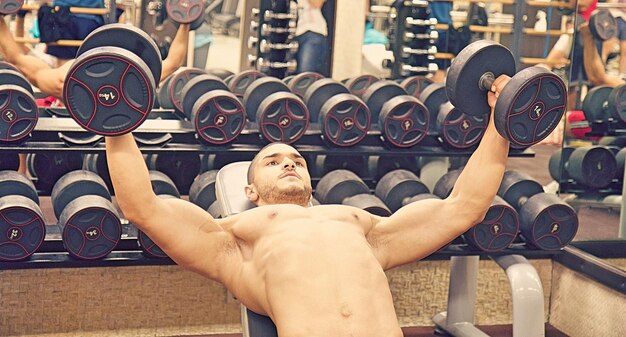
[(300, 164), (273, 162)]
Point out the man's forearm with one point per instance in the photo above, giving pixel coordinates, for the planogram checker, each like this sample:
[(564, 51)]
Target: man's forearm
[(178, 51), (130, 177)]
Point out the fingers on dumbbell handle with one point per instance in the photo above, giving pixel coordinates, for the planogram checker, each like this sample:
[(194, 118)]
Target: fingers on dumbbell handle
[(486, 81)]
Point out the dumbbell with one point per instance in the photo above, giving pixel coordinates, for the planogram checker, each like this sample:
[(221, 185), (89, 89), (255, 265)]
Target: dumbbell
[(186, 12), (529, 107), (169, 92), (402, 119), (358, 85), (110, 87), (240, 82), (546, 221), (345, 187), (202, 192), (272, 15), (343, 118), (90, 224), (397, 187), (603, 102), (281, 116), (298, 84), (217, 115), (456, 129), (10, 7), (497, 230), (221, 73), (322, 164), (591, 166), (603, 25), (263, 64), (217, 160), (48, 167), (379, 166), (419, 26), (409, 69), (430, 37), (268, 47), (267, 30), (163, 187), (9, 161), (18, 108), (22, 225), (415, 85), (181, 167), (97, 163)]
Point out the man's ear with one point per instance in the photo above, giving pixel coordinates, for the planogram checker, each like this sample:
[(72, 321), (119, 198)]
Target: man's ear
[(251, 193)]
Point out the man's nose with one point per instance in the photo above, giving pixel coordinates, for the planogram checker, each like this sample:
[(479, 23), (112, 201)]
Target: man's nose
[(289, 164)]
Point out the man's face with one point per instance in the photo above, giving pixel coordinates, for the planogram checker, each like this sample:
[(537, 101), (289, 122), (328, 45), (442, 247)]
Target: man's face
[(281, 176)]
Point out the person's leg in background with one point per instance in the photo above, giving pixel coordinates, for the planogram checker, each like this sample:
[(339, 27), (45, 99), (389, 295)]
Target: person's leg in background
[(312, 53)]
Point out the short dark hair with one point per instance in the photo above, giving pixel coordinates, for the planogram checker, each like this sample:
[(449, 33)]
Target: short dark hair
[(255, 159)]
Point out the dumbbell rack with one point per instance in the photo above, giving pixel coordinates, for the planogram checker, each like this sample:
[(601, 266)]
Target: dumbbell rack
[(412, 40), (272, 32)]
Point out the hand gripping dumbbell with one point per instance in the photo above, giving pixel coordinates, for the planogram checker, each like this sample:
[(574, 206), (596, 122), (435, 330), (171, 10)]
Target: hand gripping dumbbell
[(186, 11), (110, 87), (281, 116), (402, 119), (18, 108), (90, 224), (343, 118), (217, 115), (345, 187), (529, 107), (456, 129), (603, 25), (169, 92), (604, 102), (164, 188), (546, 221), (496, 231), (590, 166), (22, 225)]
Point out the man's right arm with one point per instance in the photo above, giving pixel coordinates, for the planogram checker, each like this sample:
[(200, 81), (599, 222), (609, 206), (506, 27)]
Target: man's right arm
[(187, 233)]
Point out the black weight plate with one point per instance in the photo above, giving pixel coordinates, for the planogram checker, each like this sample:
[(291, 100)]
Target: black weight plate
[(184, 11), (282, 117), (49, 166), (344, 120), (337, 185), (9, 161), (445, 184), (616, 103), (433, 97), (466, 69), (379, 93), (592, 166), (162, 94), (202, 190), (223, 74), (415, 85), (530, 106), (22, 228), (419, 197), (9, 7), (497, 230), (97, 163), (240, 82), (301, 82), (258, 91), (319, 92), (620, 157), (74, 185), (13, 183), (368, 203), (459, 130), (218, 117), (109, 91), (181, 167), (129, 38), (379, 166), (8, 76), (90, 227), (148, 246), (220, 159), (516, 187), (595, 104), (8, 66), (162, 184), (18, 113), (358, 85), (603, 25), (557, 165), (327, 163), (177, 83), (403, 121), (196, 87), (288, 79), (398, 185), (547, 222)]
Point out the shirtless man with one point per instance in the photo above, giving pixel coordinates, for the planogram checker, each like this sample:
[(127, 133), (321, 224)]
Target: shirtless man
[(50, 80), (316, 271)]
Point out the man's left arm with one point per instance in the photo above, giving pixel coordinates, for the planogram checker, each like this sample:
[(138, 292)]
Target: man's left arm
[(419, 229), (177, 53)]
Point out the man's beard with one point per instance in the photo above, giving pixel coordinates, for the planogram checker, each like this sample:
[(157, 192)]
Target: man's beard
[(292, 195)]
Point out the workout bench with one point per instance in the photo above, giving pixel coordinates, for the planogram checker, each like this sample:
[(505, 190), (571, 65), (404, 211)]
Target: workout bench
[(527, 291)]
